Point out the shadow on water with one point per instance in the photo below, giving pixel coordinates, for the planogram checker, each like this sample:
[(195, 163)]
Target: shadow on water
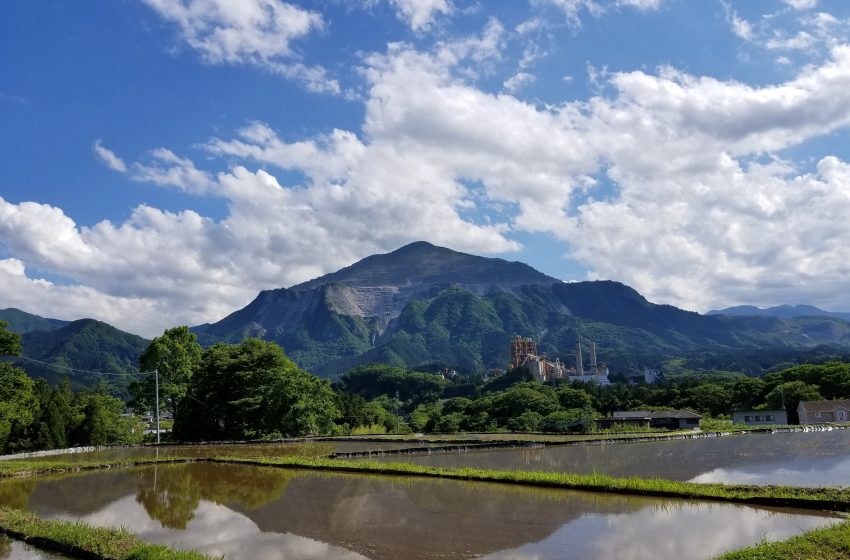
[(268, 514)]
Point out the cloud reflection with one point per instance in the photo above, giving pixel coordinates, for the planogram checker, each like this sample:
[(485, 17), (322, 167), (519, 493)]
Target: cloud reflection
[(218, 531)]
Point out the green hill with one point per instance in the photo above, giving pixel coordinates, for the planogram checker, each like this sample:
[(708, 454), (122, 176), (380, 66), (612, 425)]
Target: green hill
[(84, 345), (22, 322)]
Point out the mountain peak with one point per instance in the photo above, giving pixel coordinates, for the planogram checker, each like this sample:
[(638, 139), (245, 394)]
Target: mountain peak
[(421, 263)]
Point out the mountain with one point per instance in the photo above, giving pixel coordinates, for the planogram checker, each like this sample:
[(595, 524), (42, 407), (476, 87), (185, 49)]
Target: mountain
[(780, 311), (428, 306), (22, 322), (86, 344)]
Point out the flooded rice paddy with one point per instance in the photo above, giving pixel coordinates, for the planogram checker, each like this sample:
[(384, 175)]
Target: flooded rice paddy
[(14, 550), (262, 513), (796, 458)]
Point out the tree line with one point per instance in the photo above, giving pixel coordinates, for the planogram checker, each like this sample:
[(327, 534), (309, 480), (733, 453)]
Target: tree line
[(251, 390), (34, 416)]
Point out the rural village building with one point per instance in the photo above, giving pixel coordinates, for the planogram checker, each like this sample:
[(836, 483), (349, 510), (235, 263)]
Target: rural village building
[(819, 412), (672, 419), (760, 417)]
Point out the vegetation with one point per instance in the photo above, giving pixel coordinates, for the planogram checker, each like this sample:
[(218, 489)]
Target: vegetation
[(251, 391), (79, 539), (827, 542), (175, 356), (33, 416), (85, 345)]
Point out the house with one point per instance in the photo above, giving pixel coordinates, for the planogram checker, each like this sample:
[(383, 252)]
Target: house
[(760, 417), (819, 412), (672, 419)]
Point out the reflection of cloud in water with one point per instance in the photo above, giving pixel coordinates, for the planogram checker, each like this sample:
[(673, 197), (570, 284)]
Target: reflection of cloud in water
[(14, 550), (791, 472), (669, 532), (218, 531)]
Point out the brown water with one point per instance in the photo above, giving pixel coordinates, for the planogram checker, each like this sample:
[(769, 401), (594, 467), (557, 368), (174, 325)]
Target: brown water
[(263, 513), (797, 458), (14, 550)]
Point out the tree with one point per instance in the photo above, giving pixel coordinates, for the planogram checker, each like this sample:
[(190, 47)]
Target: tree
[(712, 398), (17, 402), (10, 342), (574, 398), (789, 395), (252, 390), (175, 355)]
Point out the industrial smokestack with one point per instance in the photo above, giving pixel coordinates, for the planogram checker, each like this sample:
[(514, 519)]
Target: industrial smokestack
[(579, 363), (593, 369)]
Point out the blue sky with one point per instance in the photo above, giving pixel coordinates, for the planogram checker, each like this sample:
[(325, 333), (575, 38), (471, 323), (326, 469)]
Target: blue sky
[(164, 160)]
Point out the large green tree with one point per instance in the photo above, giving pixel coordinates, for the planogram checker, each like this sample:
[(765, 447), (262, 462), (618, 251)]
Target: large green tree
[(252, 390), (175, 355), (17, 399)]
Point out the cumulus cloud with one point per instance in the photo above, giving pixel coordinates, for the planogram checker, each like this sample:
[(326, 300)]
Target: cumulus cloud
[(673, 183), (420, 14), (258, 32), (108, 157)]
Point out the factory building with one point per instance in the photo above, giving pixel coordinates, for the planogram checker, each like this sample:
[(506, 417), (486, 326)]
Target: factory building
[(524, 353)]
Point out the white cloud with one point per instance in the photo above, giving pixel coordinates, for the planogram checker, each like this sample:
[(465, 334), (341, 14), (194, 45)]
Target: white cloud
[(515, 82), (801, 41), (801, 4), (420, 14), (258, 32), (700, 210), (166, 169), (741, 27), (574, 9), (108, 157)]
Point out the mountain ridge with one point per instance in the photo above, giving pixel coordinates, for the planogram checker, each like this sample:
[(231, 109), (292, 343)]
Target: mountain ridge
[(781, 311), (428, 306)]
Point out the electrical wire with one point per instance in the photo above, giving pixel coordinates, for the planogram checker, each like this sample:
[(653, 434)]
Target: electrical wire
[(67, 368)]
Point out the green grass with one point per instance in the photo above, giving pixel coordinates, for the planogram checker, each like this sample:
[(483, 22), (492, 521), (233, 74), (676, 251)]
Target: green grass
[(825, 499), (74, 538), (828, 543)]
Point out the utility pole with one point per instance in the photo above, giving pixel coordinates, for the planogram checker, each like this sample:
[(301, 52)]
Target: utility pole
[(397, 404), (156, 374)]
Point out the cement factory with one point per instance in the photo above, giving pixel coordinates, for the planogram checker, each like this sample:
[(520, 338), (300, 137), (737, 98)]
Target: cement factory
[(524, 353)]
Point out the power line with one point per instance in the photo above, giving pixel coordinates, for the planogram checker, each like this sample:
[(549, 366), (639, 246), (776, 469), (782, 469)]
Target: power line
[(67, 368)]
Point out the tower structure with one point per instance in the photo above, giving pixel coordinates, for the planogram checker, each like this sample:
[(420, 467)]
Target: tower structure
[(593, 369), (520, 348), (579, 361)]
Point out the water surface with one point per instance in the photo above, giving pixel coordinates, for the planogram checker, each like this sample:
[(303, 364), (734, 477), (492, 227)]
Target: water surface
[(267, 514), (796, 458), (15, 550)]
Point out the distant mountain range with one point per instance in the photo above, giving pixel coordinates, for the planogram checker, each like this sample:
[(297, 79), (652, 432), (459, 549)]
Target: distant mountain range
[(85, 344), (423, 306), (780, 311), (427, 306)]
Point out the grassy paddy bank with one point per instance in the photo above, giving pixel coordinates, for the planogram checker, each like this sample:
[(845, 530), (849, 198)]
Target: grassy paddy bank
[(828, 543), (84, 541), (824, 499)]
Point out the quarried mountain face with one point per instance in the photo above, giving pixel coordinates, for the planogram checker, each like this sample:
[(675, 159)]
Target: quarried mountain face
[(429, 306)]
